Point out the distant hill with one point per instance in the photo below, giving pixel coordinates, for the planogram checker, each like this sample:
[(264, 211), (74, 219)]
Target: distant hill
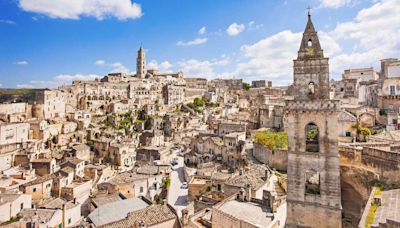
[(18, 95)]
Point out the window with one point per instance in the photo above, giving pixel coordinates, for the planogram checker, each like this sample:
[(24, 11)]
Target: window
[(69, 221), (21, 206), (312, 138), (312, 185), (309, 43), (34, 189), (311, 88), (348, 134), (392, 90), (141, 189)]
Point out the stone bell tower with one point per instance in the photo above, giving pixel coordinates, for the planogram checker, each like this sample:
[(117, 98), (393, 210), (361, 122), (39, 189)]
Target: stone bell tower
[(314, 198), (141, 63)]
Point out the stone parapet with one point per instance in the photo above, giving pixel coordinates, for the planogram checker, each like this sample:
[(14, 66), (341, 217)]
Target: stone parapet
[(313, 105)]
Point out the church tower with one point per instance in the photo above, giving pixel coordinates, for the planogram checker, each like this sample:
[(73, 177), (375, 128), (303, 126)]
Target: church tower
[(314, 198), (141, 63)]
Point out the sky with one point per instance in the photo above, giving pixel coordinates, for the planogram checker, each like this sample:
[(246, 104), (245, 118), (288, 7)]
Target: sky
[(47, 43)]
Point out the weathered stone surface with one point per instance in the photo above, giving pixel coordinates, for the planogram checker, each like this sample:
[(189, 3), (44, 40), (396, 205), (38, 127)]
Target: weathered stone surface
[(314, 196)]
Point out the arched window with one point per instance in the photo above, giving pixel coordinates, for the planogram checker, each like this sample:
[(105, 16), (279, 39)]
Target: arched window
[(312, 182), (309, 43), (311, 88), (312, 136)]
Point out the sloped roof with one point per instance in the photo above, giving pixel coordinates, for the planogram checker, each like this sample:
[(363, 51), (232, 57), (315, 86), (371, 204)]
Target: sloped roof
[(149, 216), (115, 211)]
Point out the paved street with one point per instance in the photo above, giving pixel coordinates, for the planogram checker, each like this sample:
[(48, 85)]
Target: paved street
[(177, 197)]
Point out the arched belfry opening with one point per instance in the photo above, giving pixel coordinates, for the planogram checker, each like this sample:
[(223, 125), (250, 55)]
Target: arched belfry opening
[(309, 43), (312, 138)]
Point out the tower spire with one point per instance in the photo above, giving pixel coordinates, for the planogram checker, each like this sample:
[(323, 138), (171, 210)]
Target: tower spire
[(309, 12)]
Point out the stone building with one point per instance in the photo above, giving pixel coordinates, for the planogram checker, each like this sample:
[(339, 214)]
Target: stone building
[(261, 84), (173, 94), (14, 133), (11, 204), (389, 98), (314, 197), (49, 104), (15, 112)]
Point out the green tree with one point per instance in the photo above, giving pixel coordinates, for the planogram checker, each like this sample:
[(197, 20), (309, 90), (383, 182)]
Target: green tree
[(198, 102), (246, 86)]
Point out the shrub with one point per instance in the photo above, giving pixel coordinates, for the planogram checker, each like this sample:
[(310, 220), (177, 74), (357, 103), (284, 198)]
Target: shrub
[(272, 140), (246, 86)]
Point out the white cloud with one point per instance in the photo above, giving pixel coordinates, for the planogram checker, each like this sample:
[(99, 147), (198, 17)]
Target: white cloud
[(1, 85), (196, 68), (253, 26), (4, 21), (119, 68), (74, 9), (80, 77), (62, 79), (235, 29), (116, 67), (373, 35), (202, 30), (162, 67), (39, 84), (196, 41), (100, 62), (334, 3), (270, 58), (22, 62), (222, 62)]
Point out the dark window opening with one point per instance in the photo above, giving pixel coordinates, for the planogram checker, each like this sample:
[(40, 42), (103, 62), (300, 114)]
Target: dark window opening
[(312, 185), (312, 138)]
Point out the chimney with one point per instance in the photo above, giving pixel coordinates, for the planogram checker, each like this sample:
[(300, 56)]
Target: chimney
[(185, 217), (248, 193), (240, 195), (267, 174)]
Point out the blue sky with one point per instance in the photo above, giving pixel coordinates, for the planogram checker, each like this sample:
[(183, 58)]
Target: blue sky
[(45, 43)]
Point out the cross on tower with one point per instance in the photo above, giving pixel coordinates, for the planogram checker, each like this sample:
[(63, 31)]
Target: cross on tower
[(309, 10)]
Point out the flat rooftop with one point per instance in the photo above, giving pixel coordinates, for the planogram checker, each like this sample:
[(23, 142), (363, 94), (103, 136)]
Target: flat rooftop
[(247, 211), (389, 209)]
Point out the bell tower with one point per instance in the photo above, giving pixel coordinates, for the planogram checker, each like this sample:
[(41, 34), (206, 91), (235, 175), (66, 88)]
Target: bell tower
[(314, 198), (311, 68), (141, 63)]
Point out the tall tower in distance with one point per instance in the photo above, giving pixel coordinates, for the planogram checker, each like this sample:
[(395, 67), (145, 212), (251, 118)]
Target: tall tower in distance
[(314, 198), (141, 63)]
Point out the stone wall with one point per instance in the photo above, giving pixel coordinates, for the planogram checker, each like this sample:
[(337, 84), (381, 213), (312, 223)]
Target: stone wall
[(383, 162), (318, 216), (276, 159)]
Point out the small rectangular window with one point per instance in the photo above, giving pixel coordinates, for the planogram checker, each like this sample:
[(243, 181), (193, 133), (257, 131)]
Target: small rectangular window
[(392, 90)]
